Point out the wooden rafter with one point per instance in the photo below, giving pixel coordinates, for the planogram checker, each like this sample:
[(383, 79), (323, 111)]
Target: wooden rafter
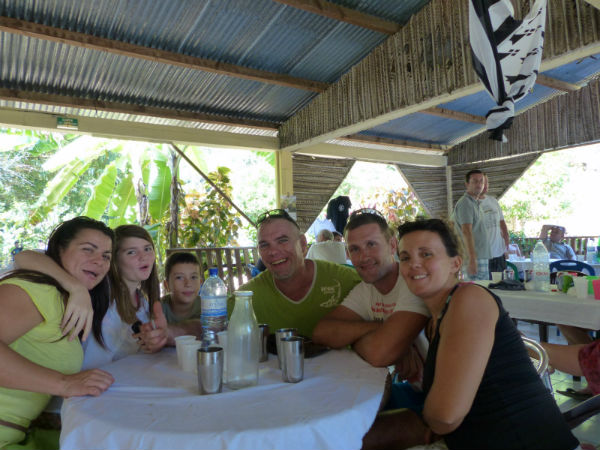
[(455, 115), (557, 84), (127, 108), (74, 38), (434, 148), (410, 71), (343, 14)]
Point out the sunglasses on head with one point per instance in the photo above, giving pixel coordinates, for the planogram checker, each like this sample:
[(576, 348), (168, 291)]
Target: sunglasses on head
[(370, 211), (275, 214)]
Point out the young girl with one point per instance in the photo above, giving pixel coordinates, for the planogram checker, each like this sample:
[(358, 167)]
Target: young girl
[(37, 360), (481, 388)]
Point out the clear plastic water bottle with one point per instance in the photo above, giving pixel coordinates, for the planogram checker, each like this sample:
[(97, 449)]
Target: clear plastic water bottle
[(591, 251), (213, 298), (541, 267), (243, 343)]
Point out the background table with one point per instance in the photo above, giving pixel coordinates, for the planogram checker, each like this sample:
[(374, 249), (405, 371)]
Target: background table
[(155, 405), (551, 307), (527, 264)]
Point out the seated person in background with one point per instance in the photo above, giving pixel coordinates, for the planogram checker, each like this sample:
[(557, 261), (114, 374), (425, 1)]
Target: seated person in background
[(293, 291), (557, 249), (481, 388), (514, 251), (578, 360), (327, 249), (38, 361), (337, 236), (182, 281), (380, 317)]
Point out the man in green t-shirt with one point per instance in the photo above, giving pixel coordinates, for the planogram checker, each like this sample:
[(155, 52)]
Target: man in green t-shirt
[(294, 291)]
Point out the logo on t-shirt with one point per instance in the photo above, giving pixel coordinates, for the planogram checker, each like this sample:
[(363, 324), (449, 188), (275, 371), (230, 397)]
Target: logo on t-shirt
[(332, 294)]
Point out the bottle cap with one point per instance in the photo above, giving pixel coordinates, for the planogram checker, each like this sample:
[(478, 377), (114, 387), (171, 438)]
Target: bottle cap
[(213, 271)]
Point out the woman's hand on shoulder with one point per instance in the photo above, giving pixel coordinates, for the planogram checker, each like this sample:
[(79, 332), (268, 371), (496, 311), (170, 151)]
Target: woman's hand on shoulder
[(79, 313), (88, 382)]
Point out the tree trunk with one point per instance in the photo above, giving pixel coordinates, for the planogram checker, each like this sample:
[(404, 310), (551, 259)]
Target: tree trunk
[(173, 223)]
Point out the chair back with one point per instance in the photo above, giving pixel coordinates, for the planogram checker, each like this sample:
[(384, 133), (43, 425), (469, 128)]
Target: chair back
[(541, 362), (570, 265), (515, 270)]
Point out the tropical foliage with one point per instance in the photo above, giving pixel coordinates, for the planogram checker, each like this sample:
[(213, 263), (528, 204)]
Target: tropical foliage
[(47, 178)]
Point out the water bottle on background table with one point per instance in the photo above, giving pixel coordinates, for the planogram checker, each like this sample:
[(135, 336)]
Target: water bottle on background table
[(213, 298), (541, 267), (591, 251), (243, 343)]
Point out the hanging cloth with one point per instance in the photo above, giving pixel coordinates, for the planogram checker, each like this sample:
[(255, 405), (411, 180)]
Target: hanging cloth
[(506, 55)]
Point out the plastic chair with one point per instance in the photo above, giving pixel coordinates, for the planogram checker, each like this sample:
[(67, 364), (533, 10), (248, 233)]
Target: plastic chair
[(570, 265)]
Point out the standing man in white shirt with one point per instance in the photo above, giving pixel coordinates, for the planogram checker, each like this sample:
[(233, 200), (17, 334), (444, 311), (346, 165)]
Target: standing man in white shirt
[(497, 229)]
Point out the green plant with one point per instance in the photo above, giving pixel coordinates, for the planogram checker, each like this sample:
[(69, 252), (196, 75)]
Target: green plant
[(207, 219)]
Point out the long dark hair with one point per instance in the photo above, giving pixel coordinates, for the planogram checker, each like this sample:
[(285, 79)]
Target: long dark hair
[(59, 240), (150, 287)]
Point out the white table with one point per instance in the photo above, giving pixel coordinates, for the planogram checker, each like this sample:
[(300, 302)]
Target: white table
[(154, 405), (551, 307), (527, 264)]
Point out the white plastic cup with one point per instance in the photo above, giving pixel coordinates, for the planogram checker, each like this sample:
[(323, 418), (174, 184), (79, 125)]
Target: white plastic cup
[(178, 341), (189, 355), (581, 286), (496, 277)]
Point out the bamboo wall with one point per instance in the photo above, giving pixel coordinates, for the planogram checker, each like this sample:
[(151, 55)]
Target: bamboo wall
[(315, 181), (565, 121), (423, 64)]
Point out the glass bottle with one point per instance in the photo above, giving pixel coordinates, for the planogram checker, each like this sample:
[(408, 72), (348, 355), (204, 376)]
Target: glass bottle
[(243, 343)]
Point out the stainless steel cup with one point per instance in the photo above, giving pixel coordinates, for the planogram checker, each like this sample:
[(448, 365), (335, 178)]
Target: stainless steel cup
[(282, 333), (210, 370), (292, 352), (264, 334)]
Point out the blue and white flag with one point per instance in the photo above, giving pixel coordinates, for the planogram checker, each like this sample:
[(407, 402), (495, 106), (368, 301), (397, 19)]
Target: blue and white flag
[(506, 55)]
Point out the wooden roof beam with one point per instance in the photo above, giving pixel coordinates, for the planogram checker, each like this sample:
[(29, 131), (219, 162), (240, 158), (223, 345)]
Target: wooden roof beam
[(127, 108), (73, 38), (555, 83), (412, 145), (343, 14), (454, 115)]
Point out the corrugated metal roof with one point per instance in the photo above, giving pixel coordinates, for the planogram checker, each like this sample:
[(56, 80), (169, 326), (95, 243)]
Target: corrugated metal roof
[(259, 34)]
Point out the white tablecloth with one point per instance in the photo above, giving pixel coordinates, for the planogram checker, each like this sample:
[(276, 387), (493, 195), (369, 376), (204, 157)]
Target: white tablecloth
[(526, 264), (551, 307), (154, 405)]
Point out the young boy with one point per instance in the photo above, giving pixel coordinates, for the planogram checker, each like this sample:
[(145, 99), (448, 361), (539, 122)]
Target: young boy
[(182, 280)]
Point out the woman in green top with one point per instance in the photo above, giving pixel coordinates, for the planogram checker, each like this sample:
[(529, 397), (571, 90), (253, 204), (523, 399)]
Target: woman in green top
[(37, 359)]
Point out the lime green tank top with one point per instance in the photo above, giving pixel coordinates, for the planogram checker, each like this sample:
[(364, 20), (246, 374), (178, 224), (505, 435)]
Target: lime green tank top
[(43, 345)]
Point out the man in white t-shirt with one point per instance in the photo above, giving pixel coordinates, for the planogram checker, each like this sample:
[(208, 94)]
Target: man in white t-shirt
[(380, 317)]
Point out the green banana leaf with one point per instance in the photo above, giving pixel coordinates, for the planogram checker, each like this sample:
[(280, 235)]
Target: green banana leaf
[(102, 193)]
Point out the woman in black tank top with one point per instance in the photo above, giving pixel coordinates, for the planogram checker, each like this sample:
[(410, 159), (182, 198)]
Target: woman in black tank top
[(481, 388)]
